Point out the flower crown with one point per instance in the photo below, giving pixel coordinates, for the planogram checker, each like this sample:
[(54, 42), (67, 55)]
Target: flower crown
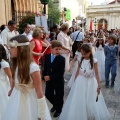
[(15, 44)]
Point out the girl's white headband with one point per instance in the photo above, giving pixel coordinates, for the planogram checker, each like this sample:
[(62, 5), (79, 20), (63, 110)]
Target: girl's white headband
[(14, 43)]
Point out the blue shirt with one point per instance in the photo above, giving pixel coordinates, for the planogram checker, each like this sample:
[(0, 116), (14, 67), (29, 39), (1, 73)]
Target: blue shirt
[(80, 36), (111, 53)]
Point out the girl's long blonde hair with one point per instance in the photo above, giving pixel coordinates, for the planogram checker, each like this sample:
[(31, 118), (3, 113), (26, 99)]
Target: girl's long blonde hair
[(22, 61)]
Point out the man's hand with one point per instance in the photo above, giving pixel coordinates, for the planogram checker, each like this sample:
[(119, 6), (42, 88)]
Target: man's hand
[(47, 78)]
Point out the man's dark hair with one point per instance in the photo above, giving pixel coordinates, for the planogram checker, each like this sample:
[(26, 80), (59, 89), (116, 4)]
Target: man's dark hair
[(55, 26), (2, 27), (69, 33), (25, 25), (11, 22)]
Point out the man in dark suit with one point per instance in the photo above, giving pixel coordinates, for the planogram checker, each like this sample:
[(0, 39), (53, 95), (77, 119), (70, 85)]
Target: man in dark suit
[(54, 76)]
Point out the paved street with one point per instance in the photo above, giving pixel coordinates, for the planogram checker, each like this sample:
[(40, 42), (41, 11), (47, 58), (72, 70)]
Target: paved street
[(111, 96)]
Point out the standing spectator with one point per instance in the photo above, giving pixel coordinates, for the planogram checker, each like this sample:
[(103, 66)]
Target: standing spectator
[(56, 30), (64, 39), (1, 41), (52, 36), (70, 41), (27, 29), (32, 28), (119, 44), (45, 44), (71, 29), (77, 36), (87, 33), (8, 33), (16, 31), (2, 27), (36, 44)]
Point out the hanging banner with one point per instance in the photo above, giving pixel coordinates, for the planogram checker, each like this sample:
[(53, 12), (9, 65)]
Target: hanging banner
[(90, 25), (68, 14), (42, 22)]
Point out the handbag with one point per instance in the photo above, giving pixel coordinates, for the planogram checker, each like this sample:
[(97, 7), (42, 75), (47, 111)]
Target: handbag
[(74, 45)]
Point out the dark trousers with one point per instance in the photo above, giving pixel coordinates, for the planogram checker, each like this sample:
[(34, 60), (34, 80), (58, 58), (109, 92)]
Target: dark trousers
[(55, 93), (110, 66), (74, 47)]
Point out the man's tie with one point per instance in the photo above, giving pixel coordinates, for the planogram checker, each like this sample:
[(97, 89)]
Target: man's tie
[(52, 58)]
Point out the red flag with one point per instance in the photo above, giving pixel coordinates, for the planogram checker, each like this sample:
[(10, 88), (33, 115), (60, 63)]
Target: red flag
[(90, 25)]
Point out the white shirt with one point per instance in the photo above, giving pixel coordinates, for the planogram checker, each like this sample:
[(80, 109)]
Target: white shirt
[(29, 36), (64, 40), (6, 35), (1, 41)]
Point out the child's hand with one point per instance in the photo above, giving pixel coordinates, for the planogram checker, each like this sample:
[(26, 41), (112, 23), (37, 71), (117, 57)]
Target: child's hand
[(47, 78), (98, 90), (41, 54), (9, 93)]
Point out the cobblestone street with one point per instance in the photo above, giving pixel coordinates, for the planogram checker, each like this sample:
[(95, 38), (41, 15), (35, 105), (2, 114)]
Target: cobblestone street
[(111, 96)]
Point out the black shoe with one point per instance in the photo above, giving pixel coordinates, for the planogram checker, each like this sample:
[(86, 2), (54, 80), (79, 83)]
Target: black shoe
[(112, 84), (57, 114), (52, 109), (107, 85)]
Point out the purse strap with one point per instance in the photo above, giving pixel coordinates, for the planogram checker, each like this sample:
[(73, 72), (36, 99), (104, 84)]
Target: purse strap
[(77, 36)]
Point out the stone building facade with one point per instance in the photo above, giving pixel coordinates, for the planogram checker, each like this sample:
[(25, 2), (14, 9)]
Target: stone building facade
[(10, 9), (77, 8), (104, 16)]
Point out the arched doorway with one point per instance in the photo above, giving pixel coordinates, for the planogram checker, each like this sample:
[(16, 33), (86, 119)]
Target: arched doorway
[(102, 24)]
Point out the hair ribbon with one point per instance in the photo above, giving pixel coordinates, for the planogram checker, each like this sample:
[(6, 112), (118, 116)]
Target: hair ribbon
[(15, 44)]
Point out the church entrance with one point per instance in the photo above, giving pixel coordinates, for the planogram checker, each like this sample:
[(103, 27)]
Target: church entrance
[(102, 24)]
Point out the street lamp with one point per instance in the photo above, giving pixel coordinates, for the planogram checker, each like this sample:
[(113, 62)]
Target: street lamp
[(44, 2)]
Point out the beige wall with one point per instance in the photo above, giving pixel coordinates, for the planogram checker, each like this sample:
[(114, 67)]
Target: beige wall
[(111, 13), (5, 11), (20, 5)]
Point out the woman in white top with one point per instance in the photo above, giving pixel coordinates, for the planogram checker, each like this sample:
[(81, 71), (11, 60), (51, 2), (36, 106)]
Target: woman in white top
[(64, 39)]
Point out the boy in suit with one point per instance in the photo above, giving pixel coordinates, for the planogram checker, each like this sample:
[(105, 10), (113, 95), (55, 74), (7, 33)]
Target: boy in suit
[(54, 68)]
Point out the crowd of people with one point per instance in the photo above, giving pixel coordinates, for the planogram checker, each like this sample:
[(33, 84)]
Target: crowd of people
[(27, 60)]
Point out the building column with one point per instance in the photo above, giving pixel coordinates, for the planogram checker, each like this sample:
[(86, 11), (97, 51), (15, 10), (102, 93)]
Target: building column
[(2, 12)]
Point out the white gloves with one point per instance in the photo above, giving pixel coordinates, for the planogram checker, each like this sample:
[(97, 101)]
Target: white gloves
[(42, 108)]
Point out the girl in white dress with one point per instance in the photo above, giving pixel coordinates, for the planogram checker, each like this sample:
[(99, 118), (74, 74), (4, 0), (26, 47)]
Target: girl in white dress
[(74, 64), (27, 101), (85, 100), (100, 56), (5, 80)]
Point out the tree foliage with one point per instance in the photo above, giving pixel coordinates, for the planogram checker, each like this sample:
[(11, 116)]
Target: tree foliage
[(26, 19), (54, 13)]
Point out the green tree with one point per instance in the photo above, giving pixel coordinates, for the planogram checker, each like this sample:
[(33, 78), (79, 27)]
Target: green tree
[(54, 13), (25, 19)]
